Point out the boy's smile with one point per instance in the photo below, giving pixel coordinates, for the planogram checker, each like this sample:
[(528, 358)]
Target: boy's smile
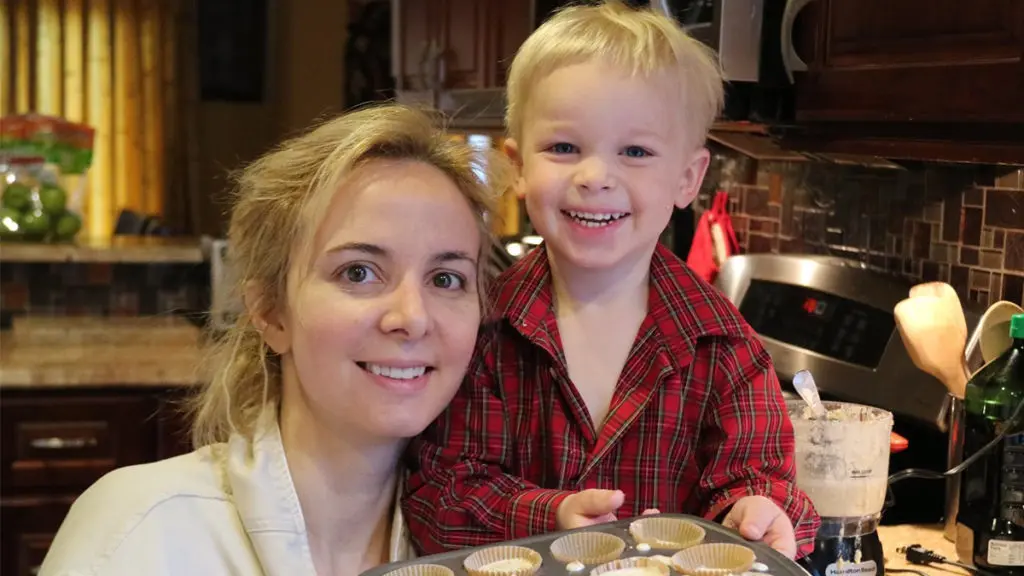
[(604, 159)]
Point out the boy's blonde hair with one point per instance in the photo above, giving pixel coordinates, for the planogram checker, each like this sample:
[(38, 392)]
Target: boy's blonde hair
[(639, 40), (279, 203)]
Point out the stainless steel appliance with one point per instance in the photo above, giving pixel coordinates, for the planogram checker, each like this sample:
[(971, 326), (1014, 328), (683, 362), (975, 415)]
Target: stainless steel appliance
[(732, 27), (834, 317), (225, 303)]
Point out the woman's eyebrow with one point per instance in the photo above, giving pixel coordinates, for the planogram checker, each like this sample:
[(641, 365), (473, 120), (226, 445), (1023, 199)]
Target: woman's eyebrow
[(381, 252), (364, 247), (454, 255)]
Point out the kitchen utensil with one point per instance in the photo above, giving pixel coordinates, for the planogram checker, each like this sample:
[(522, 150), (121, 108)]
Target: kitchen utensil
[(804, 384), (842, 464), (933, 328)]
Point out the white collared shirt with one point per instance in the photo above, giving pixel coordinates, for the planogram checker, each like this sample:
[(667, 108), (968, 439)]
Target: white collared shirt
[(226, 509)]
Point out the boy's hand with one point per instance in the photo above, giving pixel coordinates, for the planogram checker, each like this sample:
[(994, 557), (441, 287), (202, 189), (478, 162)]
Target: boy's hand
[(588, 507), (759, 519)]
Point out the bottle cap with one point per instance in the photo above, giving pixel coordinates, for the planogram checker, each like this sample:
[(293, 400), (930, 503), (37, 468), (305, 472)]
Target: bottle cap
[(1017, 326)]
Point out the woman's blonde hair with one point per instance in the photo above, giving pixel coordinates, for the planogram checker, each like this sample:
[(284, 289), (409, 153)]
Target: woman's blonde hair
[(278, 204), (637, 40)]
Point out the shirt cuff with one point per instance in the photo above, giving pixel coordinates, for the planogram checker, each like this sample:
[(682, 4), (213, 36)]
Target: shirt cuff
[(720, 507), (534, 512)]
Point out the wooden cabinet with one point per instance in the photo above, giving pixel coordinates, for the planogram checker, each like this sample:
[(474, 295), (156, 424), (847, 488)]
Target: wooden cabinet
[(914, 79), (914, 61), (454, 54), (55, 443)]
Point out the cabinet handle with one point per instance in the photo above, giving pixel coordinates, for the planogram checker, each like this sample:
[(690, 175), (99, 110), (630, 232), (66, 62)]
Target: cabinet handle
[(791, 61), (57, 443)]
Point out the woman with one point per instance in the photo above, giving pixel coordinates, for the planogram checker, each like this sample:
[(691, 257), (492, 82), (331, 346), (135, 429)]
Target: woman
[(360, 249)]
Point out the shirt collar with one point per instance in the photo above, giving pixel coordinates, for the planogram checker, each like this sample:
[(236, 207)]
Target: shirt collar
[(260, 481), (684, 307)]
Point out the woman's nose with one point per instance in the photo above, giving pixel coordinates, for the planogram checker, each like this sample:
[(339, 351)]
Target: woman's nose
[(592, 174), (406, 314)]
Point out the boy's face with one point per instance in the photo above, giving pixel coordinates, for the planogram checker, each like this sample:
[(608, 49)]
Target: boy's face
[(604, 158)]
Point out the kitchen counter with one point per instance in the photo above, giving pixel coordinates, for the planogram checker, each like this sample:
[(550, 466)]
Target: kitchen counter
[(928, 536), (119, 249), (61, 352)]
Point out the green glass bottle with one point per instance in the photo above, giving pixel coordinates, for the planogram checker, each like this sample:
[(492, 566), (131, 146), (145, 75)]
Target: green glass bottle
[(992, 489)]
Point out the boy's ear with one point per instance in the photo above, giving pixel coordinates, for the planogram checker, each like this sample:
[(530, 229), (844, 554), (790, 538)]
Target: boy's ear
[(693, 177), (269, 323), (511, 148)]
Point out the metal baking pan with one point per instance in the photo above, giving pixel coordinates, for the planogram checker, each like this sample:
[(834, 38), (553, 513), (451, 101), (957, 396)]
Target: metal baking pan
[(776, 563)]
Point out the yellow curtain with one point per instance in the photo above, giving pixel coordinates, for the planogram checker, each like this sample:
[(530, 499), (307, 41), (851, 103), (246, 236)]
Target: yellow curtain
[(111, 64)]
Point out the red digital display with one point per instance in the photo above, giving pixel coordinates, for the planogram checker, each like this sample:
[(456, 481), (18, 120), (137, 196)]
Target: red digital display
[(810, 305)]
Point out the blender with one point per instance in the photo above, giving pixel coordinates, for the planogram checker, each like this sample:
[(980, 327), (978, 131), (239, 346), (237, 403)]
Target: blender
[(842, 464)]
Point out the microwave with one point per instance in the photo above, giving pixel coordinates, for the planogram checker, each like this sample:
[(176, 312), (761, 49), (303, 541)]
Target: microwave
[(746, 35), (734, 28)]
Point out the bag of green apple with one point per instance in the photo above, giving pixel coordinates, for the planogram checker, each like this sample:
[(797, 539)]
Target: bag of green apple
[(44, 154)]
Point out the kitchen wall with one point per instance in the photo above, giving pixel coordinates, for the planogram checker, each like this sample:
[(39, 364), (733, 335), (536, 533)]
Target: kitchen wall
[(305, 80), (305, 75), (954, 223), (101, 289)]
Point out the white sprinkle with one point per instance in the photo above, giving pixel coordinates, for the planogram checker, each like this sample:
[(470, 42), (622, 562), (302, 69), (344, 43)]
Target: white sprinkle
[(575, 566), (643, 547), (759, 567)]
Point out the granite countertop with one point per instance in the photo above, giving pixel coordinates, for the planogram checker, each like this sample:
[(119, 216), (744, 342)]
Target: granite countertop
[(119, 249), (929, 537), (61, 352)]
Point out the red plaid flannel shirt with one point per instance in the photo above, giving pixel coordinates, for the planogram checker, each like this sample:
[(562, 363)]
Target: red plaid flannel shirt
[(697, 420)]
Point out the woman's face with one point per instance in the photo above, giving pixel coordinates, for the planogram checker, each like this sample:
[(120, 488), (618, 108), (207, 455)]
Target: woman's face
[(378, 334)]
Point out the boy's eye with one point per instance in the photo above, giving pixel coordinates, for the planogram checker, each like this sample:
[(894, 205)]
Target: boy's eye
[(563, 148), (448, 281), (636, 152), (358, 274)]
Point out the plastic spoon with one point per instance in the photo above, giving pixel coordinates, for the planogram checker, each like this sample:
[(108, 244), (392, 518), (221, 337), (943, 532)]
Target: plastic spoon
[(803, 382)]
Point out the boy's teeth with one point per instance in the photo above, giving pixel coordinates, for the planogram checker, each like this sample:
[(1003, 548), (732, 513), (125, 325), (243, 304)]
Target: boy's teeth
[(592, 220), (396, 373)]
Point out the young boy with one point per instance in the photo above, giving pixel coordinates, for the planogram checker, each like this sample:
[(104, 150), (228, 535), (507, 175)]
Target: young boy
[(612, 380)]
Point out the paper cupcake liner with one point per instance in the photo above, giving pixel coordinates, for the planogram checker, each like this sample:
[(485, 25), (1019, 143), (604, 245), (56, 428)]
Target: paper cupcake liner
[(714, 560), (503, 561), (587, 547), (655, 567), (666, 533), (422, 570)]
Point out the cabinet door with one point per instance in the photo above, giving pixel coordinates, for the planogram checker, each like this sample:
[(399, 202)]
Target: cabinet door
[(914, 61), (508, 24), (416, 29), (29, 526), (463, 41)]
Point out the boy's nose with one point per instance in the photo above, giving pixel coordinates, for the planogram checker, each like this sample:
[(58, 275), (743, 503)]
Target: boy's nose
[(593, 174), (406, 313)]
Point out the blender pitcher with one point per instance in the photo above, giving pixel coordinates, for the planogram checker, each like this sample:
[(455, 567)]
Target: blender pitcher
[(842, 464)]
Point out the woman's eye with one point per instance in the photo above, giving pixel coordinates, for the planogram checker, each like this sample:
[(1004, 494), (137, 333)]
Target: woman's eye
[(563, 148), (636, 152), (358, 274), (448, 281)]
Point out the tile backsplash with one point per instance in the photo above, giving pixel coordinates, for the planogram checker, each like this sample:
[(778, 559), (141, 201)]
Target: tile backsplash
[(100, 289), (958, 224)]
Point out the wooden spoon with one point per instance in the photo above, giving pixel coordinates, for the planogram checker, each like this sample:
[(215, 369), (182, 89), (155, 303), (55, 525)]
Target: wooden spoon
[(932, 325)]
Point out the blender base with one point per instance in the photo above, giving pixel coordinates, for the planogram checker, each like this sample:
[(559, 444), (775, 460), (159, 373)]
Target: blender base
[(845, 556)]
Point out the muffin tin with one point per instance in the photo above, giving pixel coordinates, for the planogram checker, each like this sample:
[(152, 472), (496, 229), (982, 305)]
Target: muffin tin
[(621, 541)]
